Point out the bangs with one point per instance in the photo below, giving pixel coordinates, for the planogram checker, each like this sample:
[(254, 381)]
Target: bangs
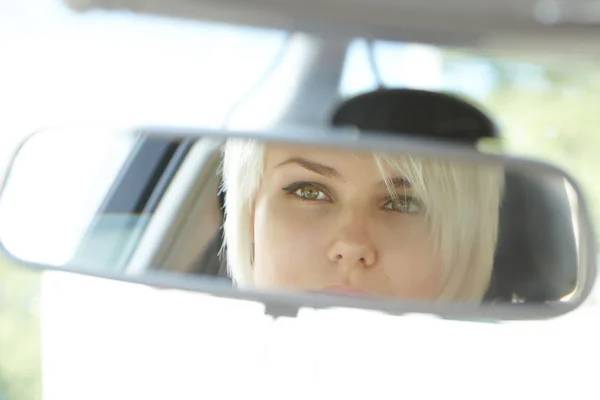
[(407, 168), (415, 170)]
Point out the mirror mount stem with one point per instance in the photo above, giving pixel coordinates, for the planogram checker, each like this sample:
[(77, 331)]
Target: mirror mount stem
[(318, 87), (304, 79)]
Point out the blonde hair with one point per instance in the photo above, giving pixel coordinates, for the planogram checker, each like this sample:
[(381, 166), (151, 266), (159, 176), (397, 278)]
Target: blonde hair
[(462, 203)]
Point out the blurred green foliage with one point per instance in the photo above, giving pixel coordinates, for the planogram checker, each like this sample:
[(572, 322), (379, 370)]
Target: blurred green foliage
[(548, 110), (559, 124), (20, 343)]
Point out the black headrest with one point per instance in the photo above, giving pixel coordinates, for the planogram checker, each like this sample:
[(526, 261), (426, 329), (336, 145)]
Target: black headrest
[(536, 252), (435, 115), (536, 258)]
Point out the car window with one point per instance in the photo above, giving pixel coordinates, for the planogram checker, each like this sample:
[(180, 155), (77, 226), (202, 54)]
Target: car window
[(113, 233)]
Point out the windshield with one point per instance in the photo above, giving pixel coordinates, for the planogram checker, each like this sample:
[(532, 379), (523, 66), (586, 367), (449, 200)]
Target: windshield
[(59, 67)]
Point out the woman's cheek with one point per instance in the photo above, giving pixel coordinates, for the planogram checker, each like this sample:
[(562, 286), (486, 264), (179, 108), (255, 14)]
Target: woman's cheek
[(288, 240), (299, 217), (302, 226), (405, 249)]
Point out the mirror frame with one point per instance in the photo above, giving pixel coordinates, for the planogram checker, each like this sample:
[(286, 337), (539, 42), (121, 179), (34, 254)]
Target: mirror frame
[(288, 304)]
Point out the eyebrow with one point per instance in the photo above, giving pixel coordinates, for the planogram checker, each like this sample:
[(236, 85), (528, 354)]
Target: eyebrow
[(312, 166), (398, 182)]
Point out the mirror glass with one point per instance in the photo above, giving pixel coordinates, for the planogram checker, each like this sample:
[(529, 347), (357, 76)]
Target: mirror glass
[(284, 216)]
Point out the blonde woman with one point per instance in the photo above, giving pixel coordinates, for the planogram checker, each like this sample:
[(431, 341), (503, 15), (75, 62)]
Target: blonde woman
[(304, 218)]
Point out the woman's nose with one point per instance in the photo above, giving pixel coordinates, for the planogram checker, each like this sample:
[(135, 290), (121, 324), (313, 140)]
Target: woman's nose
[(352, 254), (353, 247)]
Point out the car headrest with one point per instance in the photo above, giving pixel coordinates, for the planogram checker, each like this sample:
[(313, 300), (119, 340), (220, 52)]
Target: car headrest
[(432, 114), (536, 258)]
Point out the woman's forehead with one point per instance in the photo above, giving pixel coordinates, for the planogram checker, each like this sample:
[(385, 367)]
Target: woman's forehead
[(350, 164), (278, 153)]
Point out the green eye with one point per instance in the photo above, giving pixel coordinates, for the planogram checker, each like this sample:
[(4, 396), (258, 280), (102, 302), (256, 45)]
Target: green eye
[(404, 204), (307, 191)]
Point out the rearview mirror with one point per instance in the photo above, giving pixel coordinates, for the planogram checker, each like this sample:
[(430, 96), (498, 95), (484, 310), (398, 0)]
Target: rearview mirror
[(309, 218)]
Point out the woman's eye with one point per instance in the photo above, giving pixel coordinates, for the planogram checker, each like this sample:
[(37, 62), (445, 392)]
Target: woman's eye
[(308, 192), (404, 204)]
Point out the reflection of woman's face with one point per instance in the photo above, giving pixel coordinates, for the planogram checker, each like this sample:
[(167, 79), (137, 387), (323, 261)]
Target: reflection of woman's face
[(324, 218)]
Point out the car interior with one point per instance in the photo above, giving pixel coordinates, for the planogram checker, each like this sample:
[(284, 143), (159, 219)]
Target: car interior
[(544, 269), (180, 336), (546, 266)]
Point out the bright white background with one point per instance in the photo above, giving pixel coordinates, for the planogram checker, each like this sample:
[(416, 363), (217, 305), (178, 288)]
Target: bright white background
[(110, 340)]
